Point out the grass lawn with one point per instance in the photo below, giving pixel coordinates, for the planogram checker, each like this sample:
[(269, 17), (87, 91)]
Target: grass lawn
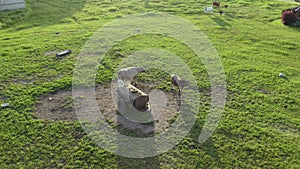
[(260, 127)]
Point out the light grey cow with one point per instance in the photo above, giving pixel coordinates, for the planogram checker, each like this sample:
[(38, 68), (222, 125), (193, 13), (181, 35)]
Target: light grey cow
[(130, 73), (176, 81)]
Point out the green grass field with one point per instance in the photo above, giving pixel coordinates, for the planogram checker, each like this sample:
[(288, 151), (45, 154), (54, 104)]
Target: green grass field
[(260, 127)]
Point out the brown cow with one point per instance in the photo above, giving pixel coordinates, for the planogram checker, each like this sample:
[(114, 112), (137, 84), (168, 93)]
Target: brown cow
[(289, 17), (216, 4)]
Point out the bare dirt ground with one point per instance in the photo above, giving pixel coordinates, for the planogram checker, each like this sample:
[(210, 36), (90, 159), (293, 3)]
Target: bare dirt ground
[(59, 107), (56, 106), (50, 53)]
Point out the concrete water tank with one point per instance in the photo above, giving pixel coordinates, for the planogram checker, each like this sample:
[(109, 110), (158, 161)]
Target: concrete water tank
[(11, 4)]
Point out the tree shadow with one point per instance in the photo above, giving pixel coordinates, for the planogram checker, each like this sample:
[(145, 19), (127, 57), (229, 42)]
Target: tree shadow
[(41, 13)]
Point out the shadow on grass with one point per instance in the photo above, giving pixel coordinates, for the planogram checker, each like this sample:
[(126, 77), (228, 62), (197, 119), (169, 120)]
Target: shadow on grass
[(295, 28), (221, 22), (230, 15), (208, 146), (145, 163), (41, 13), (135, 129)]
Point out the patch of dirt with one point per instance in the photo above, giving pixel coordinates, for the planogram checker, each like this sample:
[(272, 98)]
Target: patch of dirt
[(287, 130), (59, 107), (56, 106), (293, 1), (263, 91), (3, 97), (49, 53), (21, 82)]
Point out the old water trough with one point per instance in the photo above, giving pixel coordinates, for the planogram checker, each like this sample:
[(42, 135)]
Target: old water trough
[(11, 4)]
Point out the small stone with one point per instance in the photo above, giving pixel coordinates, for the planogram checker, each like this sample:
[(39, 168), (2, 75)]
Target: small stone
[(138, 30), (50, 99)]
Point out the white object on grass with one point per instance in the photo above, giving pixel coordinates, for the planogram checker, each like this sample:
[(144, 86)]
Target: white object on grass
[(282, 75), (209, 9), (4, 105)]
